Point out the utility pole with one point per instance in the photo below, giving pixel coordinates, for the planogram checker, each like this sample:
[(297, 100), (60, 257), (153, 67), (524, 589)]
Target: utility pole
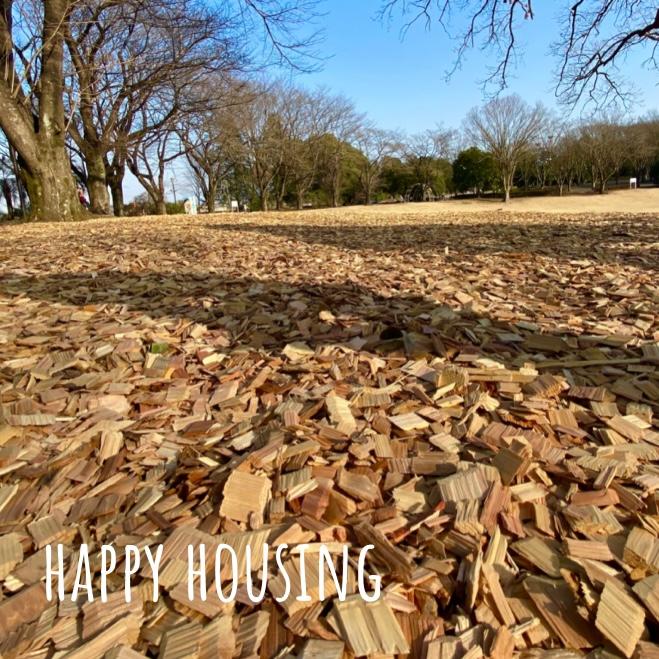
[(173, 188)]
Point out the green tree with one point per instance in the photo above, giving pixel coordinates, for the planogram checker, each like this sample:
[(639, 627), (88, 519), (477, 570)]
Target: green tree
[(397, 177), (474, 169)]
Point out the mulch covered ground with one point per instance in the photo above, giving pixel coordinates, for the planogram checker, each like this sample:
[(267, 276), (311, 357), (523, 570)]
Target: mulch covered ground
[(474, 395)]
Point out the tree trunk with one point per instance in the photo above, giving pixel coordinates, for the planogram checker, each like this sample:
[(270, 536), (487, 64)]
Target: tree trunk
[(601, 188), (281, 193), (40, 145), (300, 201), (263, 202), (507, 180), (161, 207), (99, 199), (210, 197), (115, 172), (336, 183), (117, 190), (8, 194), (51, 189), (20, 190), (336, 194), (367, 187), (9, 201)]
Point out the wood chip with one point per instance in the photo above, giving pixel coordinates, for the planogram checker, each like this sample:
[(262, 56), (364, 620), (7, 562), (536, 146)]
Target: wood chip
[(244, 495), (369, 628), (620, 618)]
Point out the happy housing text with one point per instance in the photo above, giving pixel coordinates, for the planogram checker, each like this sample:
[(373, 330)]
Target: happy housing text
[(318, 571)]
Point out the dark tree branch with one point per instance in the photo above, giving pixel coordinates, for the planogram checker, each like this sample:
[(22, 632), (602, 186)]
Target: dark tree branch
[(597, 34)]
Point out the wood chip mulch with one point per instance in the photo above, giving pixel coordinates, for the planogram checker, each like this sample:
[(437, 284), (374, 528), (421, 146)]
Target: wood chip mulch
[(473, 395)]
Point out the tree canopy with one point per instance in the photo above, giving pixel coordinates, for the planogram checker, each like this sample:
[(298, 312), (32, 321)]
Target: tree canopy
[(474, 170)]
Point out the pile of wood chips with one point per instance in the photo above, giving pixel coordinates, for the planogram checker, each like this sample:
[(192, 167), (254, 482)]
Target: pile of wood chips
[(475, 396)]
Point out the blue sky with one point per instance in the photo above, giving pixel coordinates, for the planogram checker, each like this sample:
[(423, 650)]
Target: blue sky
[(400, 83)]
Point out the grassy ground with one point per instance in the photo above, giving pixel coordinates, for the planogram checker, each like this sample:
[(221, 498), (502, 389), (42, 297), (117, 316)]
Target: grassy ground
[(645, 200)]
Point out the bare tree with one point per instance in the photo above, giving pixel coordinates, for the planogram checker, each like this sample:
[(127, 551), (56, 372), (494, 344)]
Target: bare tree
[(545, 149), (208, 136), (32, 82), (423, 152), (287, 30), (149, 159), (259, 131), (507, 128), (31, 103), (124, 54), (567, 158), (10, 179), (307, 117), (605, 150), (344, 123), (291, 131), (642, 139), (596, 35), (205, 158), (8, 194), (375, 146)]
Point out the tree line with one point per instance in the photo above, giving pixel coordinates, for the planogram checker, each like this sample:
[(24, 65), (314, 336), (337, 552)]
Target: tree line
[(93, 89), (279, 145)]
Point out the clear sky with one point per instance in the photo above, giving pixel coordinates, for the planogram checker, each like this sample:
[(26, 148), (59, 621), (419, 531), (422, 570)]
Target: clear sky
[(401, 83)]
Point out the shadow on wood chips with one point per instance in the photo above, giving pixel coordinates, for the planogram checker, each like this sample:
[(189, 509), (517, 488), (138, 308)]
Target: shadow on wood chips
[(633, 241), (266, 314)]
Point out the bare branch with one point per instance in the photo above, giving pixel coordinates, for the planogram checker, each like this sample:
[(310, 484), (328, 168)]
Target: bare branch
[(596, 36)]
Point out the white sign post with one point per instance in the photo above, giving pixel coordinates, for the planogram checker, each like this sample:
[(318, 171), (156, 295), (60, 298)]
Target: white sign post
[(190, 206)]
